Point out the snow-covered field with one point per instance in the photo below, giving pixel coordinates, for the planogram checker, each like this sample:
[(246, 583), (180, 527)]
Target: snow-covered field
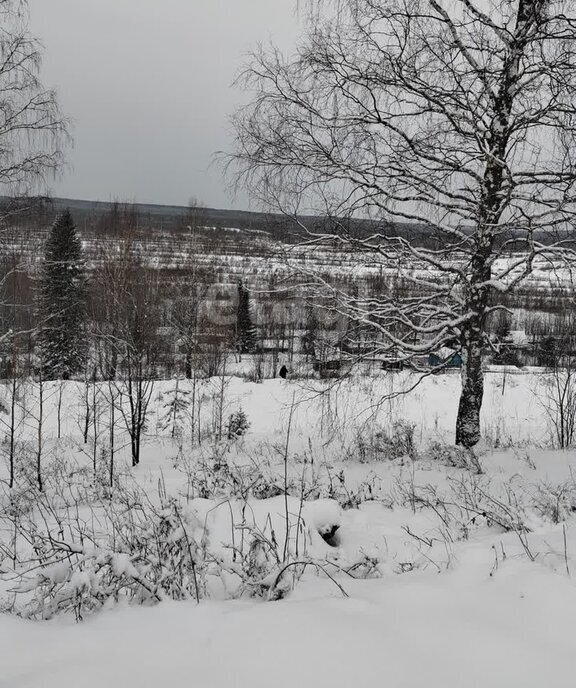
[(389, 561)]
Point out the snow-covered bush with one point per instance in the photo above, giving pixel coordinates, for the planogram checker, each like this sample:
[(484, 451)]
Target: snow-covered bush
[(507, 506), (555, 503), (559, 404), (379, 445), (217, 474), (448, 455), (238, 424), (78, 558), (175, 409)]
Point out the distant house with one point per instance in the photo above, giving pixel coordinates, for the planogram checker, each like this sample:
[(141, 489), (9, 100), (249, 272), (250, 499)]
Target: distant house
[(394, 365), (355, 348), (445, 358), (512, 350), (326, 366), (272, 346)]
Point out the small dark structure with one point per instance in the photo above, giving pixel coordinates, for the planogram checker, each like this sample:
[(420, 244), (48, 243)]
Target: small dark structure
[(283, 372), (445, 359), (323, 366), (393, 365)]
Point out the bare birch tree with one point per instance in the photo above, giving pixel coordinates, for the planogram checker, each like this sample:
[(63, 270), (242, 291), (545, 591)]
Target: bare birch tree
[(457, 116), (32, 128), (129, 334)]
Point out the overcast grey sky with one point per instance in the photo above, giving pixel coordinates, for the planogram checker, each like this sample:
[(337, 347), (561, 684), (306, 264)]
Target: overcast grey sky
[(147, 84)]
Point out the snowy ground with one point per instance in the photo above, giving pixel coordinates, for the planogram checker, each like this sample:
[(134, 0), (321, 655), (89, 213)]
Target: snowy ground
[(436, 576), (459, 629)]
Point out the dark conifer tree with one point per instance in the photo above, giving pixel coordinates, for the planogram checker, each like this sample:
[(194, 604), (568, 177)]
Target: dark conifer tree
[(245, 329), (62, 291), (311, 332)]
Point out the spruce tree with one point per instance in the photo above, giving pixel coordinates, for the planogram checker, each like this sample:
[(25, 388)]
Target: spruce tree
[(62, 292), (311, 332), (245, 330)]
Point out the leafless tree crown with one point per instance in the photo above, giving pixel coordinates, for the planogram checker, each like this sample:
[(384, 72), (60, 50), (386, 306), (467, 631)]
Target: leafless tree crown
[(454, 115), (32, 128)]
